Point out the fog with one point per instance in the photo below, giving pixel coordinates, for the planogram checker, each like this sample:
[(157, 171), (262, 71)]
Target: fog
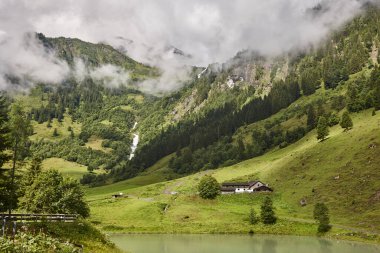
[(206, 31)]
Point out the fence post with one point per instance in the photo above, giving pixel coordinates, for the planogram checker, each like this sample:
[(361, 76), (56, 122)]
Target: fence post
[(4, 223), (14, 228)]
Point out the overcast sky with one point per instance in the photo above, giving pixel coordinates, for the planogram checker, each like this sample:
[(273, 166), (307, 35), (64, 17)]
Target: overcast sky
[(209, 30)]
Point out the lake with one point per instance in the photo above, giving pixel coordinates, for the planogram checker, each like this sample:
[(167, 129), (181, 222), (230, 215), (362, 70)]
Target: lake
[(167, 243)]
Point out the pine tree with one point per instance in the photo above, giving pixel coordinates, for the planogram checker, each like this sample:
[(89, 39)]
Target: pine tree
[(21, 129), (311, 118), (55, 132), (49, 123), (321, 214), (346, 121), (4, 130), (377, 96), (5, 185), (322, 128), (374, 84), (253, 219), (267, 213), (333, 119), (241, 149), (32, 173)]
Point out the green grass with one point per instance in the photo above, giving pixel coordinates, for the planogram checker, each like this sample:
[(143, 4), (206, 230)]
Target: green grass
[(95, 143), (68, 169), (293, 172), (41, 131), (80, 232), (157, 173)]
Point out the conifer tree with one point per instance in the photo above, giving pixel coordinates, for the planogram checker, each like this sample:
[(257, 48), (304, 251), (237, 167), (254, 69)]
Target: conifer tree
[(322, 128), (311, 117), (267, 213), (4, 130), (346, 121), (5, 186), (321, 214), (49, 123), (253, 219), (21, 128), (33, 171)]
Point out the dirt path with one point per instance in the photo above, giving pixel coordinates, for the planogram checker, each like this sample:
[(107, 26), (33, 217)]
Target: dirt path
[(169, 190)]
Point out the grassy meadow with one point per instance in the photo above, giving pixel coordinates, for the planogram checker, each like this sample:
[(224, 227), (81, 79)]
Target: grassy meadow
[(68, 169), (343, 175)]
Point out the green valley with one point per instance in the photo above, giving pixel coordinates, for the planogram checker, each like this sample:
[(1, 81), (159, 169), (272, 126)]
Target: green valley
[(116, 136), (306, 169)]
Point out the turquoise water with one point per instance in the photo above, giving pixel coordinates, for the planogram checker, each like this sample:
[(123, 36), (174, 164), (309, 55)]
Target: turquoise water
[(235, 244)]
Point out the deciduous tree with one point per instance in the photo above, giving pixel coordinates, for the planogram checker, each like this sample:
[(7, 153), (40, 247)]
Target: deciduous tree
[(51, 193), (208, 187)]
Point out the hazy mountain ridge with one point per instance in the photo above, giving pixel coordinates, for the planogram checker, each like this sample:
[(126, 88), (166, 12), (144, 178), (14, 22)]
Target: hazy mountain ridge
[(205, 114)]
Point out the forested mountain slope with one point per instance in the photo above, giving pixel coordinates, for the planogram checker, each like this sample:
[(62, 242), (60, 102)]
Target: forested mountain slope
[(341, 171), (344, 64), (210, 122)]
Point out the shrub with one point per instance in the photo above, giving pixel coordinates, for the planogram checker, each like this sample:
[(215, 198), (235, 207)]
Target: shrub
[(24, 242), (51, 193), (253, 219), (208, 187)]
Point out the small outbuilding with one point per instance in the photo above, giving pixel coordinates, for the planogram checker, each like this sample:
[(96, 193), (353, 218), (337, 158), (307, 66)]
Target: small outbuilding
[(118, 195)]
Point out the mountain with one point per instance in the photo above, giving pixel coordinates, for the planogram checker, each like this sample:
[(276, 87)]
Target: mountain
[(93, 55), (215, 120)]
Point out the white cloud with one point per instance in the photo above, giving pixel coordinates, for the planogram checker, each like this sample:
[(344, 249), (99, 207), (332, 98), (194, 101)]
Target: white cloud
[(209, 30), (111, 76)]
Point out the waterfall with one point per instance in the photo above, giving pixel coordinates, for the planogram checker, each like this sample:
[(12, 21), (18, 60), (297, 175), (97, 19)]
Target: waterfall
[(135, 142), (200, 74)]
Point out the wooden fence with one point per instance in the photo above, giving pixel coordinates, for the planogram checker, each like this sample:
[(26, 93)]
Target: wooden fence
[(12, 219)]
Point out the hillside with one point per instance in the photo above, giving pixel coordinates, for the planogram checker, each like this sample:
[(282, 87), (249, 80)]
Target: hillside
[(306, 169), (94, 55), (253, 122), (210, 122)]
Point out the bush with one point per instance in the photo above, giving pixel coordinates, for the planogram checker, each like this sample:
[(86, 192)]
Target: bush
[(253, 219), (208, 187), (333, 119), (24, 242), (51, 193)]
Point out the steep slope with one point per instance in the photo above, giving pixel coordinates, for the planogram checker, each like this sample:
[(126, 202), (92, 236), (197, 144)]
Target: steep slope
[(204, 122), (198, 122), (94, 55), (341, 171)]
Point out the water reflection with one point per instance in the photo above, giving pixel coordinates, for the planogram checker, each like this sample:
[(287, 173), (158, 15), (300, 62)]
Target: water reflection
[(269, 246), (325, 245), (235, 243)]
